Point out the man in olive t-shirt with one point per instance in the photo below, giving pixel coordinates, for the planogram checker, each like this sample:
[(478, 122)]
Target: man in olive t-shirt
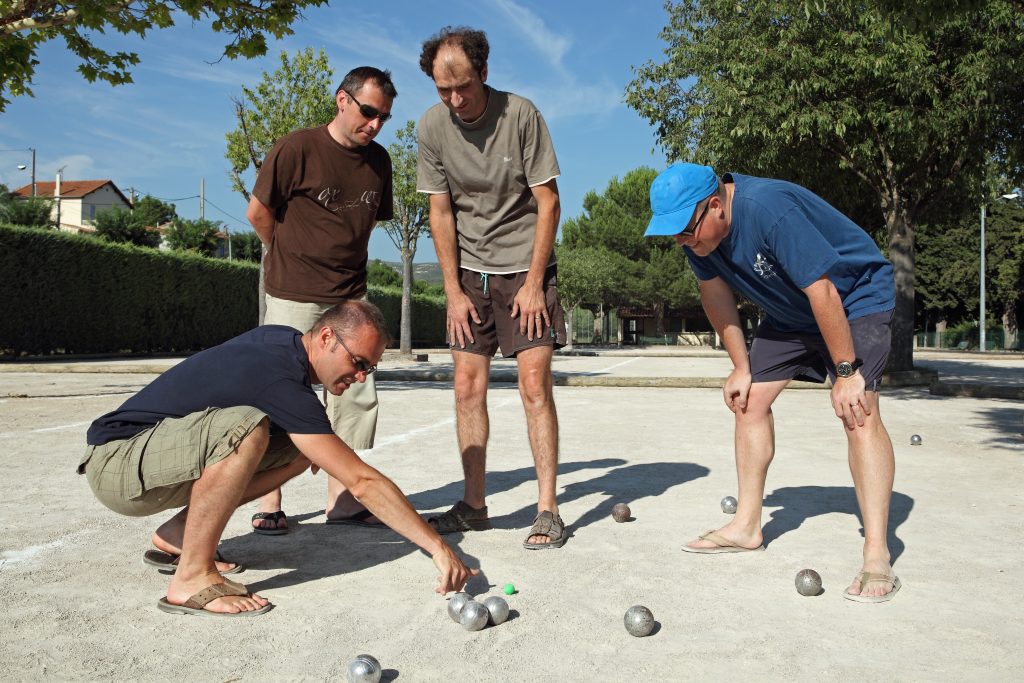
[(317, 197), (487, 162)]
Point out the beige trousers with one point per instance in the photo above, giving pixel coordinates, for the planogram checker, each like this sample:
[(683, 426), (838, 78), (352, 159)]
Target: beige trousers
[(353, 415)]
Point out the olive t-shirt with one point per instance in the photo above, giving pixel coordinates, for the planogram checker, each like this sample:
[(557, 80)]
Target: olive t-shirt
[(488, 166), (326, 198)]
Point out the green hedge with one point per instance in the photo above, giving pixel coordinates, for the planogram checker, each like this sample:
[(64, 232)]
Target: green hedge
[(428, 314), (62, 293)]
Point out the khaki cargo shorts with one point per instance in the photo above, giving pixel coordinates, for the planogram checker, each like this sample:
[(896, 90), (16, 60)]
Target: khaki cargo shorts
[(155, 469)]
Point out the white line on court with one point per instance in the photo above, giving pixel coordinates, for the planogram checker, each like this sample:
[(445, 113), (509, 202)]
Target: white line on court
[(620, 364), (73, 425), (25, 554)]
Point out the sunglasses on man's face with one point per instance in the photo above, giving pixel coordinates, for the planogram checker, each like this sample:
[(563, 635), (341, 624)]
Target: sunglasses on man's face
[(690, 232), (362, 366), (370, 113)]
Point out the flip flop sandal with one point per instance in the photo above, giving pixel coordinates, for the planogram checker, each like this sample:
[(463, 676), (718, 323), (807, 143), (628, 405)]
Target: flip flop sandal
[(274, 517), (461, 517), (167, 563), (358, 519), (196, 605), (550, 525), (868, 577), (722, 545)]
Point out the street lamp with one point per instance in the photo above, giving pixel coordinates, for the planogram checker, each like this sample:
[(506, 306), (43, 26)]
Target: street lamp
[(981, 298), (22, 167)]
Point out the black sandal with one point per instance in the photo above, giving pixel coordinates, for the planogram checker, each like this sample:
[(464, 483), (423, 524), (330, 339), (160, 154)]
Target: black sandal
[(274, 517), (550, 525)]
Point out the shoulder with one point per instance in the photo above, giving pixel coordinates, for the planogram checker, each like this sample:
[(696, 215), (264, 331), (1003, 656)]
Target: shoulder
[(434, 117), (518, 103)]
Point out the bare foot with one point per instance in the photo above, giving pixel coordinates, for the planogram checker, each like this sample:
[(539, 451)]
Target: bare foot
[(180, 590), (275, 519)]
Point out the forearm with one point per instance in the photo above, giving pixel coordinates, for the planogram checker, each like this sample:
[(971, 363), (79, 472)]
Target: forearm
[(548, 214), (386, 501), (830, 316), (442, 232), (720, 306)]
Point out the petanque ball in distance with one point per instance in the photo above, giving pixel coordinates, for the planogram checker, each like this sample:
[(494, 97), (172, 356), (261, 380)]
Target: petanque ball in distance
[(639, 621), (621, 512), (456, 603), (497, 609), (509, 589), (364, 669), (729, 505), (915, 440), (473, 616), (808, 582)]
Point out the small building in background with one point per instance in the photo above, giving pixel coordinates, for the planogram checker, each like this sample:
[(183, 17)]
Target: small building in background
[(79, 202)]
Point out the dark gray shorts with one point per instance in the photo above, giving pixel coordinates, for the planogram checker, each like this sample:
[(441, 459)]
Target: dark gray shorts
[(776, 355), (492, 295)]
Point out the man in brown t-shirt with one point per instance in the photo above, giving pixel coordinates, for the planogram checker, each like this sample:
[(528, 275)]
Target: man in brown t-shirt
[(317, 197)]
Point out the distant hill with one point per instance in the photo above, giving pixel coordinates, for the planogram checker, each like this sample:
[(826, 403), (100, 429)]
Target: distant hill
[(424, 272)]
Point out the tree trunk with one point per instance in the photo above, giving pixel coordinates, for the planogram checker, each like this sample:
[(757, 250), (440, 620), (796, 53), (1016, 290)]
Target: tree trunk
[(570, 331), (1010, 328), (405, 343), (901, 254)]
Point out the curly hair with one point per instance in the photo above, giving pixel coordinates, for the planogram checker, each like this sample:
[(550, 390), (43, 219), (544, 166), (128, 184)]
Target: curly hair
[(472, 42)]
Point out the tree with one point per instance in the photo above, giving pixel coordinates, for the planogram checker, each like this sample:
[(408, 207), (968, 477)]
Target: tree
[(24, 26), (382, 275), (119, 225), (644, 271), (199, 236), (151, 212), (246, 246), (412, 219), (587, 275), (847, 101), (296, 95), (31, 212)]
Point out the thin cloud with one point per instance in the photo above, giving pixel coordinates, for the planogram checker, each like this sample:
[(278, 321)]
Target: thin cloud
[(549, 43)]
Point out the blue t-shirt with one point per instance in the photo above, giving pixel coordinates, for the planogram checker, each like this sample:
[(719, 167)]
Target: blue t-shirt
[(266, 368), (782, 239)]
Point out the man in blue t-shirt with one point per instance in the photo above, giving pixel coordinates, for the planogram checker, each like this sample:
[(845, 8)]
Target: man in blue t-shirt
[(231, 423), (828, 297)]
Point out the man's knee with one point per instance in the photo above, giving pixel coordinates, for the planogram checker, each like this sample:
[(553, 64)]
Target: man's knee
[(471, 386)]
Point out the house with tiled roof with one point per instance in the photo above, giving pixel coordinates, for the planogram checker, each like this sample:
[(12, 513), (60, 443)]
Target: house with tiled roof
[(79, 201)]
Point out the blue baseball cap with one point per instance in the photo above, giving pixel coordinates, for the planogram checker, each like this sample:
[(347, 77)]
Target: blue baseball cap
[(675, 193)]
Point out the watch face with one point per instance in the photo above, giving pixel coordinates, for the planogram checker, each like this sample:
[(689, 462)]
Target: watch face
[(844, 369)]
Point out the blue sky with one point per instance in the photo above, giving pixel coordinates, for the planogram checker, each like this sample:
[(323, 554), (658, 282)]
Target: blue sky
[(165, 131)]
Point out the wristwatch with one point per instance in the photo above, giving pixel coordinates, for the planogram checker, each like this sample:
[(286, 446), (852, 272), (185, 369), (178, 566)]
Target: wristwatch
[(845, 368)]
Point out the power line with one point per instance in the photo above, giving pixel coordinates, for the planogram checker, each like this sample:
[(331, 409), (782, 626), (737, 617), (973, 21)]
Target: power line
[(237, 220)]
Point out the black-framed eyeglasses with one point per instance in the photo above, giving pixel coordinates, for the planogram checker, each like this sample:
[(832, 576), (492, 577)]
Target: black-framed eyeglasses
[(690, 232), (370, 113), (362, 366)]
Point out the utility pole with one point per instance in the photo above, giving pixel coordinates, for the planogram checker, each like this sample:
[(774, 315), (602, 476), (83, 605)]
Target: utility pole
[(202, 198), (56, 192)]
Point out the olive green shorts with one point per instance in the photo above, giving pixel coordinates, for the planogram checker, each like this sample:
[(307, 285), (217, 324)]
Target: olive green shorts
[(155, 469)]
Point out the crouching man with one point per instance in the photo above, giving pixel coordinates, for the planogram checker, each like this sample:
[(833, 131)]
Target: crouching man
[(232, 423)]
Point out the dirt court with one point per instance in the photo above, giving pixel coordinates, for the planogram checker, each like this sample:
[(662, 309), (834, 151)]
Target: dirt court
[(78, 602)]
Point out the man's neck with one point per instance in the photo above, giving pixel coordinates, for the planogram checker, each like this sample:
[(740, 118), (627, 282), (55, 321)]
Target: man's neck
[(334, 130), (307, 344)]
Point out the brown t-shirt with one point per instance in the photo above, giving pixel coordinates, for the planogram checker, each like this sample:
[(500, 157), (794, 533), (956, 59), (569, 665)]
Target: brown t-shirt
[(326, 198)]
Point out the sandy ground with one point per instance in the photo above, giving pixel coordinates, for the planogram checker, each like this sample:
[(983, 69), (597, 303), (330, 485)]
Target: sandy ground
[(78, 603)]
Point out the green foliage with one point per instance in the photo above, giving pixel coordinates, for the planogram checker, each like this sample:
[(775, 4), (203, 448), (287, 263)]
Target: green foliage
[(151, 212), (25, 26), (31, 212), (604, 257), (198, 236), (246, 246), (428, 288), (382, 275), (296, 95), (101, 297), (411, 215), (428, 314), (119, 225), (892, 125)]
